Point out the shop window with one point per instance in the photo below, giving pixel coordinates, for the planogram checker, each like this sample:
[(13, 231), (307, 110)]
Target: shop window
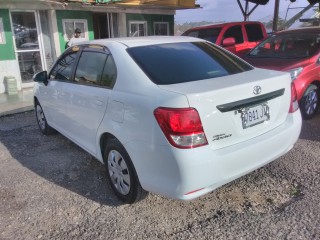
[(70, 25), (138, 29), (2, 38), (161, 28)]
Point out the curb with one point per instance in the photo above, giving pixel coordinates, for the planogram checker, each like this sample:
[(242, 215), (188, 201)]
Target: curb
[(16, 111)]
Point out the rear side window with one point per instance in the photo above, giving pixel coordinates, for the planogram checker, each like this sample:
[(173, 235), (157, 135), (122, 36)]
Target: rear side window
[(185, 62), (96, 68), (235, 32), (63, 69), (90, 67), (254, 32), (109, 73), (209, 34)]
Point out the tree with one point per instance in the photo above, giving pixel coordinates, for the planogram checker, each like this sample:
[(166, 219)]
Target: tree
[(181, 28), (269, 24)]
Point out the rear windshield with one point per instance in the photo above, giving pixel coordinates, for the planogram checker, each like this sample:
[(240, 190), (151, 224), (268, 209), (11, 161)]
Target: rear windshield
[(209, 34), (185, 62)]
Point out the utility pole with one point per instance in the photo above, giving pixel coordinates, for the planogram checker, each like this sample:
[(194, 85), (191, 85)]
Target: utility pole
[(275, 16)]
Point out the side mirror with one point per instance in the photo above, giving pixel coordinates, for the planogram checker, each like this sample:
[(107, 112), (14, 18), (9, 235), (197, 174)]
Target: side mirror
[(41, 77), (228, 42)]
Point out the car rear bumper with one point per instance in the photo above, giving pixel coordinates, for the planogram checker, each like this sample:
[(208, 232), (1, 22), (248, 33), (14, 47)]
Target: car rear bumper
[(176, 172)]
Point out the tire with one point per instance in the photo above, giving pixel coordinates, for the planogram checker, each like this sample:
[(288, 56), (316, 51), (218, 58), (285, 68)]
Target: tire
[(42, 121), (121, 173), (309, 102)]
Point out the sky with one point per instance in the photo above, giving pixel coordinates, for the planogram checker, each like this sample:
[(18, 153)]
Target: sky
[(229, 10)]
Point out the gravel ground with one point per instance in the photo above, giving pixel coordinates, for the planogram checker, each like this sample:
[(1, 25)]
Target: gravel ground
[(52, 189)]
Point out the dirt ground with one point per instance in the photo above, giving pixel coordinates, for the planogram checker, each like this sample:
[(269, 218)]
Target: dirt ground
[(52, 189)]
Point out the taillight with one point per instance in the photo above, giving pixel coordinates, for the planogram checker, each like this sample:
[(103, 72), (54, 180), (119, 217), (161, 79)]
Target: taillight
[(294, 106), (181, 126)]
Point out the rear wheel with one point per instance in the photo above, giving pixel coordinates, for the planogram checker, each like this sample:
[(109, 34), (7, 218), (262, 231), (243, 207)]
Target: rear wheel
[(41, 119), (309, 102), (121, 174)]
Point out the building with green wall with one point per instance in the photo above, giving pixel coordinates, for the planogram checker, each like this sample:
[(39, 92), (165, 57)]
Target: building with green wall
[(34, 33)]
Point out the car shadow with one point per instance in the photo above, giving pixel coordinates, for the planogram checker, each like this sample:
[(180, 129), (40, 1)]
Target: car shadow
[(311, 128), (60, 161), (55, 158)]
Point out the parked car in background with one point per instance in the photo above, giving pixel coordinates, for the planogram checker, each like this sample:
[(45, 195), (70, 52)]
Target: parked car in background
[(176, 116), (236, 37), (297, 52)]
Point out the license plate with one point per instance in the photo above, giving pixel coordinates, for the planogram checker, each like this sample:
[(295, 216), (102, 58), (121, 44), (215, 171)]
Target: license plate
[(254, 115)]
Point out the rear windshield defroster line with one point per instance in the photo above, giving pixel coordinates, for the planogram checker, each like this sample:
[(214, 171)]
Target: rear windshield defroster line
[(250, 101)]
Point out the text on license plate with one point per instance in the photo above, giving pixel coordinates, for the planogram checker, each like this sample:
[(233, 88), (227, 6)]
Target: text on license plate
[(254, 115)]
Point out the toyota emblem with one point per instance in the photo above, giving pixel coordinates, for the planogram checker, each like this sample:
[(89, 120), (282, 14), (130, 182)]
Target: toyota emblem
[(256, 90)]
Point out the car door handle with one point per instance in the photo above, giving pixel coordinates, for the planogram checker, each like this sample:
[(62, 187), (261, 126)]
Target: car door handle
[(55, 92), (99, 103)]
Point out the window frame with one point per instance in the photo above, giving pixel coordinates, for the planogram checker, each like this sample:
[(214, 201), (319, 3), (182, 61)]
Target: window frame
[(74, 21), (2, 35), (145, 24), (167, 25)]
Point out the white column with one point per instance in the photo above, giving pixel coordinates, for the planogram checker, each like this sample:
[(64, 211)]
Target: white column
[(122, 25), (55, 32)]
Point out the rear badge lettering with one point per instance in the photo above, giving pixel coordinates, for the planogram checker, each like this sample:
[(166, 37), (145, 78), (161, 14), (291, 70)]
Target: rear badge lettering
[(220, 136)]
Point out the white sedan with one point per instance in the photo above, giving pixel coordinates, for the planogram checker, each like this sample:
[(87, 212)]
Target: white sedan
[(177, 116)]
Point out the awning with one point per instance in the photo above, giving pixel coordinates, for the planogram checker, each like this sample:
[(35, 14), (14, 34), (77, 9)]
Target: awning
[(173, 4)]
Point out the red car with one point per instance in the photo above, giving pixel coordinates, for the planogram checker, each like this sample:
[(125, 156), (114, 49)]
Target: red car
[(297, 52), (236, 37)]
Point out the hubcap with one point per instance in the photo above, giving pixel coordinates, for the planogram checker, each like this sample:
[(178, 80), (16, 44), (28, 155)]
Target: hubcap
[(40, 117), (119, 172), (311, 102)]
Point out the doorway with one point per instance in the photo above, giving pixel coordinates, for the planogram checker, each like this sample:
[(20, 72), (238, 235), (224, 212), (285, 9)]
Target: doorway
[(105, 25), (27, 45)]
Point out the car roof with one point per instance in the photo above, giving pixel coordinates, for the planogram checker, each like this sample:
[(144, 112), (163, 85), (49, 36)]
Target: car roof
[(143, 41), (301, 30), (222, 25)]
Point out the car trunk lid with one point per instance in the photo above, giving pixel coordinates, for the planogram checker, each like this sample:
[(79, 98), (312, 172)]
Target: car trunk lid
[(238, 107)]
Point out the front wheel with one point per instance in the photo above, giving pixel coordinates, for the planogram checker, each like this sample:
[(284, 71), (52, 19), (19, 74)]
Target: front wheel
[(42, 121), (121, 174), (309, 102)]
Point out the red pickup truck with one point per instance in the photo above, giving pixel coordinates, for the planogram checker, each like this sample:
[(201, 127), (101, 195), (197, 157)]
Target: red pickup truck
[(237, 37)]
